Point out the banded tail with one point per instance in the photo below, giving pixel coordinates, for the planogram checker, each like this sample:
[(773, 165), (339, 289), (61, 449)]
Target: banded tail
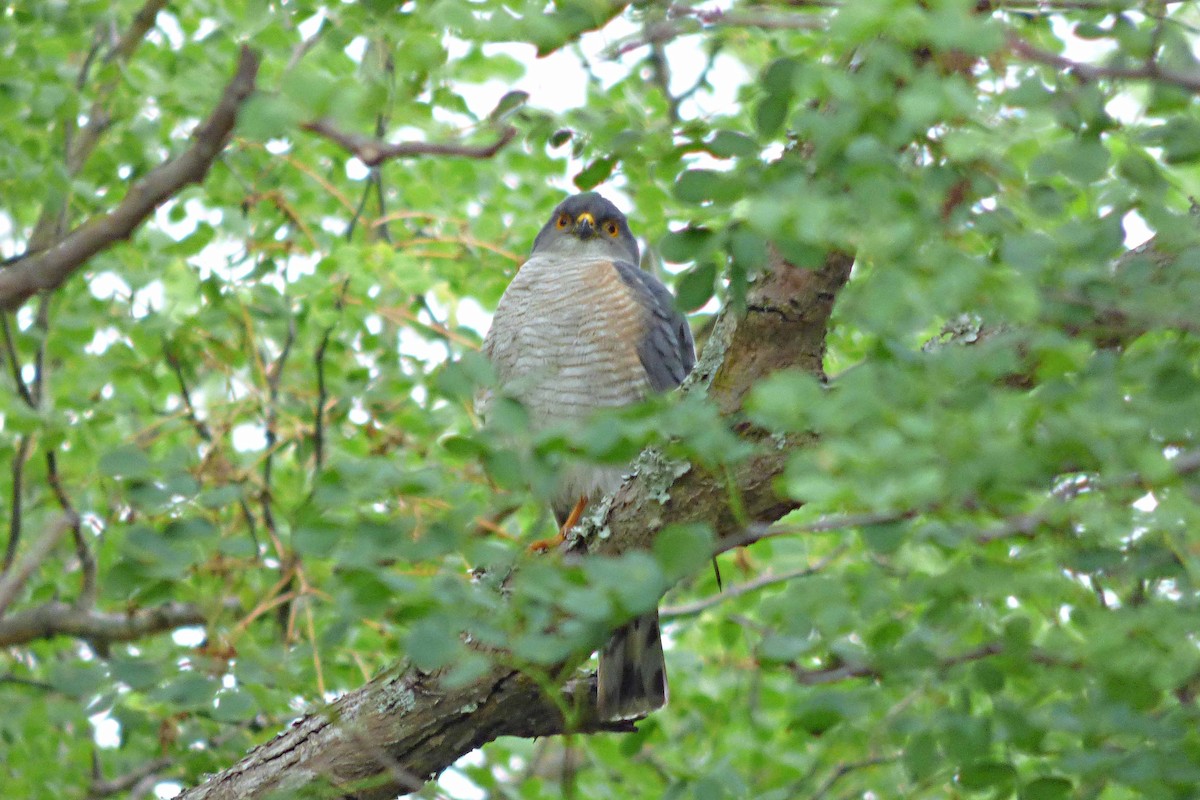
[(633, 675)]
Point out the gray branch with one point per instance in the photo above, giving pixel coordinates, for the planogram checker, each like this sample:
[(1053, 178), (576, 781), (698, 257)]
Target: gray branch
[(62, 619), (761, 582), (373, 152), (13, 579), (48, 269)]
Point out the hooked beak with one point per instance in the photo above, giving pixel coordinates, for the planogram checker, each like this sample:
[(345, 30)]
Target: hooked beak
[(585, 226)]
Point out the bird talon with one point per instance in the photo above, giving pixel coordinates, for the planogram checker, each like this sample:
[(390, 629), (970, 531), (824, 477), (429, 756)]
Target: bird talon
[(542, 545)]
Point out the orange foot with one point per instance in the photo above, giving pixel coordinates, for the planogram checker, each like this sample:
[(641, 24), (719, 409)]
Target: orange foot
[(542, 545)]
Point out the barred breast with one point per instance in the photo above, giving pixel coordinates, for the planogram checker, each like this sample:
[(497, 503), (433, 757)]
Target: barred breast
[(564, 341), (565, 338)]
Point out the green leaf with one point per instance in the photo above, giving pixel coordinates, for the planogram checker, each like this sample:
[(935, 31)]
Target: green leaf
[(921, 757), (1047, 789), (748, 249), (1180, 139), (1141, 170), (126, 462), (785, 400), (705, 185), (820, 713), (770, 114), (507, 104), (268, 116), (77, 678), (683, 549), (187, 690), (784, 648), (987, 775), (136, 673), (778, 76), (467, 669), (315, 539), (220, 496), (635, 579), (234, 705), (687, 244), (732, 144), (595, 173), (885, 538), (430, 645), (695, 287)]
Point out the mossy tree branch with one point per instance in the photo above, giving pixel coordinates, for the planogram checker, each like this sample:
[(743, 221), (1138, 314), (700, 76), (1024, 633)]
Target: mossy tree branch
[(405, 726)]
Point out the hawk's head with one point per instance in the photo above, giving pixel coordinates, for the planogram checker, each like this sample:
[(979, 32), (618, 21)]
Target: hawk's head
[(587, 225)]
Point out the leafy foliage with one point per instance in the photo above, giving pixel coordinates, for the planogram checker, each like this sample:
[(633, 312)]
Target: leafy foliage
[(262, 405)]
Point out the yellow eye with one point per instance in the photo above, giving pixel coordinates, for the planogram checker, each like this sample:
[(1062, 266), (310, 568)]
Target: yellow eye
[(611, 229), (563, 221)]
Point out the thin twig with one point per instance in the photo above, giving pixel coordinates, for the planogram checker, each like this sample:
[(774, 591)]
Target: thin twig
[(39, 390), (845, 769), (85, 69), (402, 777), (358, 212), (316, 177), (17, 680), (274, 376), (262, 608), (319, 411), (12, 580), (402, 316), (683, 20), (311, 627), (758, 533), (303, 48), (71, 124), (279, 200), (322, 389), (18, 496), (382, 121), (42, 323), (1183, 464), (1026, 524), (463, 241), (1091, 72), (251, 524), (63, 619), (701, 79), (660, 68), (817, 677), (87, 562), (143, 21), (272, 422), (80, 143), (141, 779), (123, 783), (397, 215), (1053, 6), (200, 426), (762, 581), (14, 363), (376, 181), (372, 152)]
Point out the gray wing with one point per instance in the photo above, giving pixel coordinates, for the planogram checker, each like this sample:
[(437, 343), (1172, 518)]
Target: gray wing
[(666, 349)]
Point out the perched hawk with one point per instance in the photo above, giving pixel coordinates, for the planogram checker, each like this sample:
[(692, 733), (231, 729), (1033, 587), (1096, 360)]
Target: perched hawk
[(581, 328)]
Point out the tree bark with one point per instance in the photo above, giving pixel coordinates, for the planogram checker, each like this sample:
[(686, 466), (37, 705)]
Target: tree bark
[(405, 726)]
